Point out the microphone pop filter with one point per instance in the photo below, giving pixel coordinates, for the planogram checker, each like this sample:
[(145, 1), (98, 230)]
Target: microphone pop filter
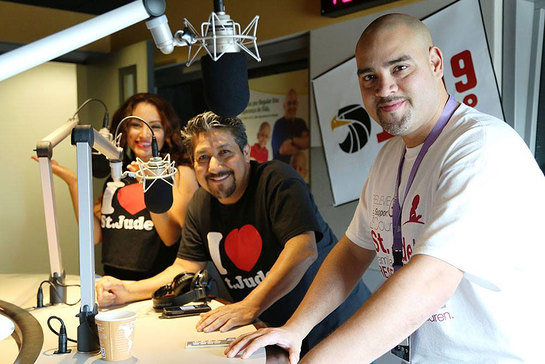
[(226, 84), (158, 197)]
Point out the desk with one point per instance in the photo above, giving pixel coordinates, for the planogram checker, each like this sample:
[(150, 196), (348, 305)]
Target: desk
[(156, 340)]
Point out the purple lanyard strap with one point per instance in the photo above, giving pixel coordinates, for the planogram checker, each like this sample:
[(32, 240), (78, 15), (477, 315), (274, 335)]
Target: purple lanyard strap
[(397, 247)]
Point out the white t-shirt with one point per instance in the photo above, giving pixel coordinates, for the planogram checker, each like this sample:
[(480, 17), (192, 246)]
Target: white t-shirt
[(478, 203)]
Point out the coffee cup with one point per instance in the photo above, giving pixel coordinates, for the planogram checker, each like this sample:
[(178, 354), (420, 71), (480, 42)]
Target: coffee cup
[(116, 334)]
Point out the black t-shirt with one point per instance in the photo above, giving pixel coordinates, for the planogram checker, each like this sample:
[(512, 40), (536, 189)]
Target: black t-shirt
[(284, 129), (131, 247), (245, 239)]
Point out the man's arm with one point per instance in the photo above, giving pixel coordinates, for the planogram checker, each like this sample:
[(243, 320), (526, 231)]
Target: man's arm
[(336, 278), (303, 141), (298, 254), (112, 291), (295, 144), (395, 311), (392, 313)]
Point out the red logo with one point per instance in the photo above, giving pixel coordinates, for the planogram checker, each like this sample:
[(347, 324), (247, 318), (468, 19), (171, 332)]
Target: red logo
[(243, 247), (413, 217), (131, 198)]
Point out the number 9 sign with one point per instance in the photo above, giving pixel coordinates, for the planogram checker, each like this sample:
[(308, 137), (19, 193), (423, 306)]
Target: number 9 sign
[(462, 67)]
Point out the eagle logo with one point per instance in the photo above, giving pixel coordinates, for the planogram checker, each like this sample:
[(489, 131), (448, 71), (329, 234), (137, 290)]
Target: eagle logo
[(356, 127)]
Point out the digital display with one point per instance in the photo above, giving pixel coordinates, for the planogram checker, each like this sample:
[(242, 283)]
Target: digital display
[(335, 8)]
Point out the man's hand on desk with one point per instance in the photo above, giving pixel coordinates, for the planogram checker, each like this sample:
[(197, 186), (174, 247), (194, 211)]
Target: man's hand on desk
[(246, 344), (226, 317), (111, 291)]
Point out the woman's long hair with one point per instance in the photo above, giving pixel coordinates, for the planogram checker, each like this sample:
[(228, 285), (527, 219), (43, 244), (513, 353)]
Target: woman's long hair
[(169, 120)]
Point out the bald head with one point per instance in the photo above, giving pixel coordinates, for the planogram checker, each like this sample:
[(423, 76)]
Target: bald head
[(390, 22), (290, 105), (400, 74)]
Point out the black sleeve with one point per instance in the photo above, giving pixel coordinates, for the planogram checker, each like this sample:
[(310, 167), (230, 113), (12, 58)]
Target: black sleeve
[(192, 246), (301, 127), (292, 210)]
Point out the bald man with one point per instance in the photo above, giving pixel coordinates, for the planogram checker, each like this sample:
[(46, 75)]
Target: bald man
[(452, 210), (290, 133)]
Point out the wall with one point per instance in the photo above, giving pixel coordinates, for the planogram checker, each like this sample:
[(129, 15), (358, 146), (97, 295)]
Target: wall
[(101, 80), (33, 104)]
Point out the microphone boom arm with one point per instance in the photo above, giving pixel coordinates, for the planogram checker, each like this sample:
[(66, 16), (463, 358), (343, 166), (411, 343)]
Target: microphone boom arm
[(84, 137), (44, 152), (67, 40)]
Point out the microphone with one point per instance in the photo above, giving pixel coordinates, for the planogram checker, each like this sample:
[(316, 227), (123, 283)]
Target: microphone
[(225, 81), (160, 32), (101, 166), (158, 184), (157, 176), (224, 68)]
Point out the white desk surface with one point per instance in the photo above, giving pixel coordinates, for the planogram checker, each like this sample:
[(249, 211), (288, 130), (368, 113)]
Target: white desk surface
[(156, 340)]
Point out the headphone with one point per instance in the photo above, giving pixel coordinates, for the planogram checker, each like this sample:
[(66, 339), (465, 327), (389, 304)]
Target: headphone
[(184, 288)]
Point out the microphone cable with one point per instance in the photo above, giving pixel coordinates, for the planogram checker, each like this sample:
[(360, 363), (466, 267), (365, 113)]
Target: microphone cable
[(106, 117), (154, 147), (40, 294), (63, 337)]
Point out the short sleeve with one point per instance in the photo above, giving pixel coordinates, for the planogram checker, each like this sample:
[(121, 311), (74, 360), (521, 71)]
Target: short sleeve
[(359, 229), (292, 210), (477, 220), (301, 127), (192, 246)]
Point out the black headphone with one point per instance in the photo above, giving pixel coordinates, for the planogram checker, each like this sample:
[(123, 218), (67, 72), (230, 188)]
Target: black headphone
[(184, 288)]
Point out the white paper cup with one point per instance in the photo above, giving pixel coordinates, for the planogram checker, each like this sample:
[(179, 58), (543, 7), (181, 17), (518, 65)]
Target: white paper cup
[(116, 333)]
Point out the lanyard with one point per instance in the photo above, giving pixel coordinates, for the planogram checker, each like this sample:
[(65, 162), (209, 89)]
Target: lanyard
[(397, 247)]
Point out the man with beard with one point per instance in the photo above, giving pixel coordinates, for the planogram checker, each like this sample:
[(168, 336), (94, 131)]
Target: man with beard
[(258, 224), (290, 133), (465, 197)]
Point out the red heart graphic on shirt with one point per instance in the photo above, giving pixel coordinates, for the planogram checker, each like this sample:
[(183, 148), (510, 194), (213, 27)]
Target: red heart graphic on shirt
[(243, 247), (131, 198)]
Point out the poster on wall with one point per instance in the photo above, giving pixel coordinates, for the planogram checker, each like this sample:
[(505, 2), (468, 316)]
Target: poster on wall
[(276, 119), (351, 139)]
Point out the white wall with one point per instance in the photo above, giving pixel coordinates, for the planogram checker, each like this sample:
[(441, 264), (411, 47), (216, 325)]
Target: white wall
[(34, 104), (102, 80)]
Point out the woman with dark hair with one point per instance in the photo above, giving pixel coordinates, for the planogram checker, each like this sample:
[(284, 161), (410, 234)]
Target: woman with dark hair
[(137, 243), (160, 110)]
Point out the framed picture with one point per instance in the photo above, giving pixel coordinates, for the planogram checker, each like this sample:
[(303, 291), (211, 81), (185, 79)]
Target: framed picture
[(127, 83), (277, 119)]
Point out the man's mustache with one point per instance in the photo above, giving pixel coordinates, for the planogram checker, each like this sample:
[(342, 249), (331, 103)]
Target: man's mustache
[(389, 99), (219, 174)]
